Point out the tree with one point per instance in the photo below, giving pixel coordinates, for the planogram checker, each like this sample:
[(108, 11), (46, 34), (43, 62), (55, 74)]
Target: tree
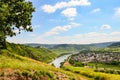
[(14, 15)]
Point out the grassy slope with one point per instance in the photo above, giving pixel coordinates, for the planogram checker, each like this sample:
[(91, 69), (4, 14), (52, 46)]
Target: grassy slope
[(25, 66), (89, 72), (13, 66), (40, 54)]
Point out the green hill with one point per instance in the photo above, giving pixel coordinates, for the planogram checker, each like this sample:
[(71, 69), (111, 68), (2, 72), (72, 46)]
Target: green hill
[(62, 49), (16, 63), (40, 54), (69, 48)]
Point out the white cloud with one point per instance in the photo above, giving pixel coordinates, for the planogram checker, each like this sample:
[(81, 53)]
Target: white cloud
[(49, 8), (115, 33), (95, 34), (96, 10), (105, 27), (117, 12), (59, 29), (69, 12), (52, 8), (87, 38)]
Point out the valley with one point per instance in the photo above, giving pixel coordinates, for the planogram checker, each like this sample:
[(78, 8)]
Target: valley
[(67, 62), (59, 40)]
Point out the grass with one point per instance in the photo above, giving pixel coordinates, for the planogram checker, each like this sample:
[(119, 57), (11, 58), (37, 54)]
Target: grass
[(103, 65), (14, 61), (27, 66), (88, 72), (40, 54), (15, 64)]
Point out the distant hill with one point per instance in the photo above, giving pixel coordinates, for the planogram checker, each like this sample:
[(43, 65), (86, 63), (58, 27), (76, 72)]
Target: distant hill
[(98, 45), (116, 44), (70, 48), (62, 48), (102, 45)]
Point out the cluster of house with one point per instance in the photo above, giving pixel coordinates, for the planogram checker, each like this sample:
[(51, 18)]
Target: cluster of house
[(97, 57)]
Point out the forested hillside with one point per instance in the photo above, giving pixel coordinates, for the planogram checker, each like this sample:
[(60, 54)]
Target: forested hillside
[(71, 48), (40, 54)]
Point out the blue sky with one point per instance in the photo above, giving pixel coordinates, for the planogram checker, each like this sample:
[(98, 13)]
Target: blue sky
[(73, 22)]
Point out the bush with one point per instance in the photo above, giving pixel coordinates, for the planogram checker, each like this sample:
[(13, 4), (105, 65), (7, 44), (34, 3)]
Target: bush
[(77, 72), (26, 74), (99, 77), (18, 73), (72, 79), (111, 71), (50, 75), (118, 71)]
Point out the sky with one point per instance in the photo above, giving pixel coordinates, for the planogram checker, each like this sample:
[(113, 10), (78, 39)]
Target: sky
[(72, 22)]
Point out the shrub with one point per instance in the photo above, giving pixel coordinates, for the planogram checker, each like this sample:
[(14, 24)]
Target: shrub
[(118, 71), (99, 77), (66, 69), (50, 75), (18, 73), (72, 79), (111, 71), (26, 74), (77, 72)]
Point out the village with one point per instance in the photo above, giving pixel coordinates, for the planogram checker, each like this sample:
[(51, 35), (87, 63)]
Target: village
[(97, 57)]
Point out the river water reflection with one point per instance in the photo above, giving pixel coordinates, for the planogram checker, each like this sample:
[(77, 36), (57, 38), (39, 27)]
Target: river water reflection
[(60, 59)]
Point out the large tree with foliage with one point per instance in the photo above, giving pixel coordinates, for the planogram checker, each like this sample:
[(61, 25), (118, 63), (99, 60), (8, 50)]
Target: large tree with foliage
[(14, 14)]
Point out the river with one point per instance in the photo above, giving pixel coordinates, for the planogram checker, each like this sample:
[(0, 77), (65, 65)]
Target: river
[(60, 59)]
